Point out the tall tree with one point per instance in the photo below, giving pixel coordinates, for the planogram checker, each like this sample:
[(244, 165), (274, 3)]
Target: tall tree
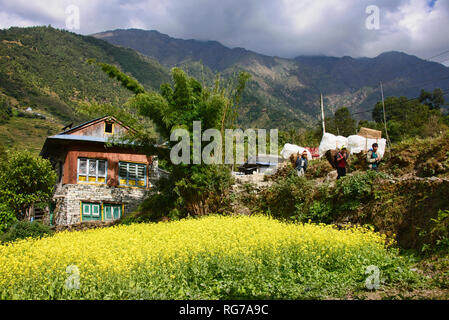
[(342, 123), (191, 189), (25, 180), (434, 100)]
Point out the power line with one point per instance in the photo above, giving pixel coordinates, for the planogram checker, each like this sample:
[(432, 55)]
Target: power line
[(419, 85), (389, 105), (440, 54), (428, 82)]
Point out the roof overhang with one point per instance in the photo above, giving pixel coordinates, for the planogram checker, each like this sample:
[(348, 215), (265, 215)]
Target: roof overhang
[(54, 144)]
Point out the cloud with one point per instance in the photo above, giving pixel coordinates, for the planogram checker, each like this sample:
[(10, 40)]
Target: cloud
[(285, 28)]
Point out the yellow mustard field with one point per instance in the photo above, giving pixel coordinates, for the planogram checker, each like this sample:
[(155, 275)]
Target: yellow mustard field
[(209, 258)]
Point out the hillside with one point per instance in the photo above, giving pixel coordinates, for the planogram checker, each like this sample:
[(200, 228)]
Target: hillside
[(286, 92), (45, 69)]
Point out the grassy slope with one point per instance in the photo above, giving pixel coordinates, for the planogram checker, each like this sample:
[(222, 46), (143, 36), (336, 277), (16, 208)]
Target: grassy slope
[(46, 69)]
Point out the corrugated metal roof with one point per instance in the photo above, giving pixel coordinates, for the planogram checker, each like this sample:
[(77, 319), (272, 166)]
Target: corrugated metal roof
[(78, 138), (81, 125)]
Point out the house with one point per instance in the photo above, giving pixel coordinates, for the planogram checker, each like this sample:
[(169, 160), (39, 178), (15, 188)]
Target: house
[(97, 181)]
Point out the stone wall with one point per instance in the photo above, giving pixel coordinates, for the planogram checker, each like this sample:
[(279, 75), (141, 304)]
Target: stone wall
[(68, 199), (84, 226)]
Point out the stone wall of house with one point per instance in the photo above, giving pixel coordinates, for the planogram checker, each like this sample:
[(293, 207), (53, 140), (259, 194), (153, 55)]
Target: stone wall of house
[(68, 199)]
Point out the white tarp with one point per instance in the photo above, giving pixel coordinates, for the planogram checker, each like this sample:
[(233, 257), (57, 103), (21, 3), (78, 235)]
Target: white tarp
[(290, 149), (331, 142), (355, 144)]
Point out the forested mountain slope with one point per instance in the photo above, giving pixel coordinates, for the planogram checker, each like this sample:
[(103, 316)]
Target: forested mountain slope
[(45, 69), (285, 92)]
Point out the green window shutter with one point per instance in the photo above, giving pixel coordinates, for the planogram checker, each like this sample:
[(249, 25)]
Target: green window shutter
[(86, 209), (96, 211), (112, 212), (117, 214), (91, 212), (107, 213)]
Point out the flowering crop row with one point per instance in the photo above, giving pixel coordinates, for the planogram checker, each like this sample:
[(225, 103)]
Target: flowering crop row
[(210, 258)]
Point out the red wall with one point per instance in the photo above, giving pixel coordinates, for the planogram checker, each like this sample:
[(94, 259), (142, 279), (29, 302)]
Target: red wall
[(112, 155)]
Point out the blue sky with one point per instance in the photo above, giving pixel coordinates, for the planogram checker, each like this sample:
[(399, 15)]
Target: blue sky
[(432, 3), (285, 28)]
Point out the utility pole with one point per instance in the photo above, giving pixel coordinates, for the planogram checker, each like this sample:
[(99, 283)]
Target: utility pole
[(385, 116), (322, 115)]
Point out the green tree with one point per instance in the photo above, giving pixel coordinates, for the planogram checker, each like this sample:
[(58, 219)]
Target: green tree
[(407, 118), (25, 180), (7, 217), (342, 123), (191, 189), (3, 155), (5, 110), (434, 100)]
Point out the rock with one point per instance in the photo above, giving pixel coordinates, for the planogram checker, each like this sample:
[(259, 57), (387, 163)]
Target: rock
[(332, 176)]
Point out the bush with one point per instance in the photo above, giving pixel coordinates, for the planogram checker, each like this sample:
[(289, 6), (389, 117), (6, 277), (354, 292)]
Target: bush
[(437, 238), (296, 198), (25, 229), (5, 110), (25, 179), (287, 198), (190, 191), (7, 217), (352, 191)]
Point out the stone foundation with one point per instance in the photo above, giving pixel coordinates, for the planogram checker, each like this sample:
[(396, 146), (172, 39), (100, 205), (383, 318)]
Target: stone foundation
[(68, 200), (84, 226)]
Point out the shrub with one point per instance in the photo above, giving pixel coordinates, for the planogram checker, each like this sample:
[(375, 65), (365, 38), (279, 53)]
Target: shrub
[(203, 191), (24, 180), (296, 198), (7, 217), (319, 168), (5, 110), (437, 238), (25, 229), (321, 212), (287, 197), (352, 191)]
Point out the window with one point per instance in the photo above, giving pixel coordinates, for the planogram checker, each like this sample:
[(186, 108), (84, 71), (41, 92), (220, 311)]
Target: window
[(132, 174), (92, 170), (112, 212), (90, 211), (109, 127)]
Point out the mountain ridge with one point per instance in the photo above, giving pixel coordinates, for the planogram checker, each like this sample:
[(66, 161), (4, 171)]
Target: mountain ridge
[(45, 69), (292, 86)]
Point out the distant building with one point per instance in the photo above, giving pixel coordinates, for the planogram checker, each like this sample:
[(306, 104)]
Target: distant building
[(96, 181), (263, 164)]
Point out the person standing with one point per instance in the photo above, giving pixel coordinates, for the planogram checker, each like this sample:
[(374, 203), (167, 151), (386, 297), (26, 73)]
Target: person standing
[(373, 159), (301, 164), (342, 162)]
